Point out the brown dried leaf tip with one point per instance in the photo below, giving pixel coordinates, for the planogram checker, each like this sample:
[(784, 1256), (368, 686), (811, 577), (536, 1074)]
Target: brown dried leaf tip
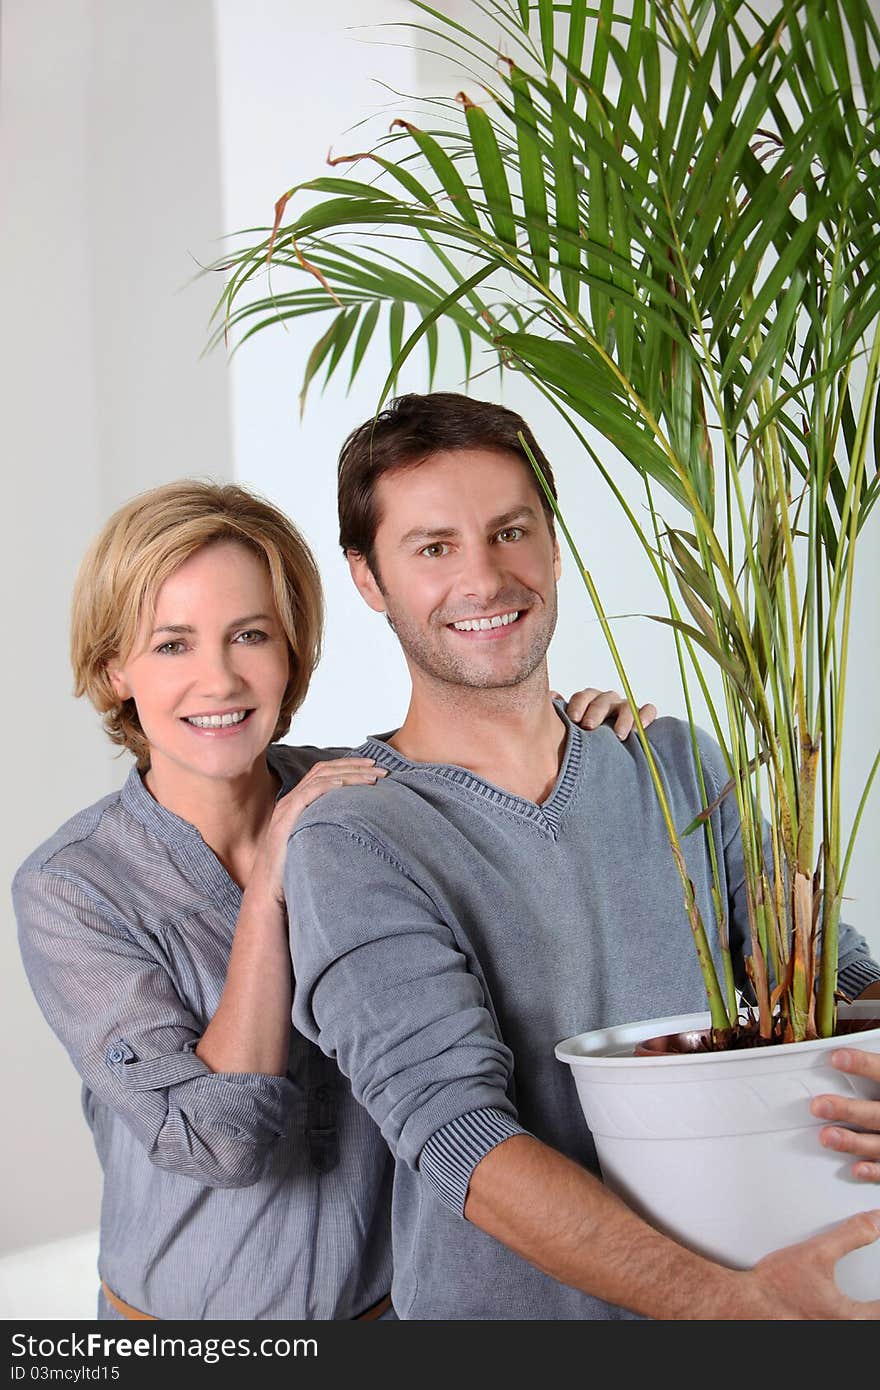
[(279, 213)]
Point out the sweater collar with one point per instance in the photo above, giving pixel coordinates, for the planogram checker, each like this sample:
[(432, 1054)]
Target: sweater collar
[(548, 812)]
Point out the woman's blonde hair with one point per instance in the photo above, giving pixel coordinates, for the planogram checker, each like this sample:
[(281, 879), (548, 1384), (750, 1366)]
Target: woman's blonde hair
[(141, 545)]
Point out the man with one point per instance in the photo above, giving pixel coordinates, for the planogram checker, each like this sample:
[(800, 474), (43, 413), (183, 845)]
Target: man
[(508, 884)]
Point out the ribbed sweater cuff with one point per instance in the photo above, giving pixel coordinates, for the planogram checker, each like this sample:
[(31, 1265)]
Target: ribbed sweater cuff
[(451, 1155), (857, 976)]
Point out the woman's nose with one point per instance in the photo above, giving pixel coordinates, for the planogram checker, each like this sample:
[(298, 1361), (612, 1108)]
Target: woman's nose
[(218, 676)]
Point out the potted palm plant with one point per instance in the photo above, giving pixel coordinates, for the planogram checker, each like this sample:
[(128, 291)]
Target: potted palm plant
[(668, 221)]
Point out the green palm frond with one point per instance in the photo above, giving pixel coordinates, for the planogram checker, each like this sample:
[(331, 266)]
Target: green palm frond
[(669, 221)]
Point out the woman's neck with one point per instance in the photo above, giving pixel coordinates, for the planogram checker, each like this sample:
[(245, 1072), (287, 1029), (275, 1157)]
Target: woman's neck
[(230, 814)]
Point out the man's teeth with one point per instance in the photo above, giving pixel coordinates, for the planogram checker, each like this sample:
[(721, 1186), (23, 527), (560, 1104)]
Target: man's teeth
[(216, 721), (483, 624)]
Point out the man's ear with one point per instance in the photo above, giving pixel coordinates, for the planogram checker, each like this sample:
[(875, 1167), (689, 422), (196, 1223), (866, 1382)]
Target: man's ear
[(365, 580)]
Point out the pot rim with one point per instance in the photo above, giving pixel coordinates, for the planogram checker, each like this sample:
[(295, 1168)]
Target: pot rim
[(572, 1050)]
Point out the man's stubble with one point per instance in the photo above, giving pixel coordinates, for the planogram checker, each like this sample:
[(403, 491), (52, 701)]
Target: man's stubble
[(436, 660)]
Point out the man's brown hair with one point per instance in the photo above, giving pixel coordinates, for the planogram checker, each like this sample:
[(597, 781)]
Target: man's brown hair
[(409, 431)]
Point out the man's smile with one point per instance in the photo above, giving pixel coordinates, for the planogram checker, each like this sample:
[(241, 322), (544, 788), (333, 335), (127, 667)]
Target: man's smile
[(494, 623)]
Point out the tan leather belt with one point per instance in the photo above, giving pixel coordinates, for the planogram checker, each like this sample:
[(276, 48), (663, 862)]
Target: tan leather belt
[(122, 1307), (374, 1311)]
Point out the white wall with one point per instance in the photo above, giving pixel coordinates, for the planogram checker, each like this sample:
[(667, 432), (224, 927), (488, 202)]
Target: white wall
[(110, 181), (280, 114)]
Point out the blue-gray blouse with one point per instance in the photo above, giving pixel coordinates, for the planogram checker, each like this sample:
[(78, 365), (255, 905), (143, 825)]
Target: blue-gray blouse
[(225, 1195)]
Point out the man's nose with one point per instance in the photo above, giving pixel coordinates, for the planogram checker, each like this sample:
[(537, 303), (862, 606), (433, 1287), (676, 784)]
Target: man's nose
[(482, 574)]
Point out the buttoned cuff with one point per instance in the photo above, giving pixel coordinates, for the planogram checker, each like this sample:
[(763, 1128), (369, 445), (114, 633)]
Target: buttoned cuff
[(249, 1105), (451, 1155)]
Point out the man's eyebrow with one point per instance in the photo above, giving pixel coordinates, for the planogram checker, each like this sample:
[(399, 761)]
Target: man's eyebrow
[(186, 628), (443, 533), (426, 534), (524, 513)]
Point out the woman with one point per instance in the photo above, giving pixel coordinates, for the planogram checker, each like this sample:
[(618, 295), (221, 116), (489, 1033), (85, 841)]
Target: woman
[(241, 1179)]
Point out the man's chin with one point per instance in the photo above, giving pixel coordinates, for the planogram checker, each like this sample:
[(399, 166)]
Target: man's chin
[(474, 676), (485, 667)]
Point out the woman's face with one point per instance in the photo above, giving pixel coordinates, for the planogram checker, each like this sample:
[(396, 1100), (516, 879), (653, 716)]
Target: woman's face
[(208, 672)]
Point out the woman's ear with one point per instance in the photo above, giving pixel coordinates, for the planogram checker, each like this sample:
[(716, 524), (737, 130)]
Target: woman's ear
[(116, 677)]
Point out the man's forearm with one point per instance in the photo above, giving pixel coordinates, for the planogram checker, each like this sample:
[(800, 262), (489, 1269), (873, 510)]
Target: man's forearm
[(567, 1223), (561, 1219)]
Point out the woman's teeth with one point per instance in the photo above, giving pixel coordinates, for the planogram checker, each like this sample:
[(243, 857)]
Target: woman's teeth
[(217, 721), (483, 624)]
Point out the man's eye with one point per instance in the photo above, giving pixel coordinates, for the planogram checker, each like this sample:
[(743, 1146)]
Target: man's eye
[(252, 636), (510, 533), (435, 550)]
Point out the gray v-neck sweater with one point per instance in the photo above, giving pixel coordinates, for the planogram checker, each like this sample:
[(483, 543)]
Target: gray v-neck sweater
[(446, 934)]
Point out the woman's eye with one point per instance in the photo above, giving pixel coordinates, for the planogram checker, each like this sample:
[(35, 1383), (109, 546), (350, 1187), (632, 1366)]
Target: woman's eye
[(170, 648), (251, 637), (510, 533), (435, 550)]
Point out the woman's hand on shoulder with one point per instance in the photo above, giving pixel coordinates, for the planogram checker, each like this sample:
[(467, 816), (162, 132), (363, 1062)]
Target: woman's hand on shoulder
[(589, 708), (267, 875)]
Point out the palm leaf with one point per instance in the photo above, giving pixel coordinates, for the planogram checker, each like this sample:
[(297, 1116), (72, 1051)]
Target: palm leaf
[(667, 219)]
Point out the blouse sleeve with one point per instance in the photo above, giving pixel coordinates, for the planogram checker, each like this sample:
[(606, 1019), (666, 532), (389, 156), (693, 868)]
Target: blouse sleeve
[(115, 1008)]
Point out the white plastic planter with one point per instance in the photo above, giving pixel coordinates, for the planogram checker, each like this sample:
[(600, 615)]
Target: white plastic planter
[(719, 1149)]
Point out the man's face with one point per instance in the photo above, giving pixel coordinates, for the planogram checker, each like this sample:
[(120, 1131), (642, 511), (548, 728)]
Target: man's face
[(466, 568)]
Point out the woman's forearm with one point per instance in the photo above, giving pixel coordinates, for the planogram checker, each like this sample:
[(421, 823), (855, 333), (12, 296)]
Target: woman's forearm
[(250, 1032)]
